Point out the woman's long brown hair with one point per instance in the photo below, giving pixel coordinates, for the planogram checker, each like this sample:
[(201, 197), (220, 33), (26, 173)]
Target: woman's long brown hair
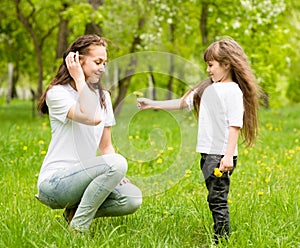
[(229, 52), (82, 45)]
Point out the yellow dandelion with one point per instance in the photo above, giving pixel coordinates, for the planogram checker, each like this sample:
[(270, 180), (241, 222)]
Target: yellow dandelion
[(250, 182), (140, 161), (130, 137), (25, 148), (298, 148), (217, 172), (229, 201), (268, 169), (296, 140), (246, 151), (159, 161), (166, 213), (188, 171), (187, 175), (138, 93), (170, 148), (43, 152), (260, 193), (137, 137), (152, 143), (292, 151), (267, 180), (41, 142)]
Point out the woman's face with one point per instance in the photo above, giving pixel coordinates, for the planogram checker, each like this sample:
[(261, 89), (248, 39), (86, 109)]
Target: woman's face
[(93, 63), (218, 72)]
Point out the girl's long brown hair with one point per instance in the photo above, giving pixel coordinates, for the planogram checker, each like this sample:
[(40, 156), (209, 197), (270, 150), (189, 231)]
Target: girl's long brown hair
[(82, 45), (228, 51)]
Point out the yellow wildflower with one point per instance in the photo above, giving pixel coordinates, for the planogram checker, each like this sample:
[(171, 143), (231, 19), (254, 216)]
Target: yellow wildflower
[(138, 93), (217, 172), (159, 161), (130, 137), (43, 152), (260, 193), (41, 142), (267, 180), (25, 148), (170, 148), (137, 137)]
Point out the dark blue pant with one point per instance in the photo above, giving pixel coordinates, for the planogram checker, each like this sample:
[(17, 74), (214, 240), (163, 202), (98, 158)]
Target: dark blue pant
[(218, 188)]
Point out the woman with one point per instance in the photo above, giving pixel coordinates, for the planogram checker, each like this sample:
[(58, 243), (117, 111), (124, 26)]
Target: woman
[(80, 112)]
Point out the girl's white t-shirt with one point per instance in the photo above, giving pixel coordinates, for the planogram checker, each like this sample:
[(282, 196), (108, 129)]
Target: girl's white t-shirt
[(71, 141), (221, 106)]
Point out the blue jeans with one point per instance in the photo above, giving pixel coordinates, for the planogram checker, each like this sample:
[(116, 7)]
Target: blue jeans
[(94, 186)]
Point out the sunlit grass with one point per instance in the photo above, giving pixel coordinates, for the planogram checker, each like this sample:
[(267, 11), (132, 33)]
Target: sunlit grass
[(264, 198)]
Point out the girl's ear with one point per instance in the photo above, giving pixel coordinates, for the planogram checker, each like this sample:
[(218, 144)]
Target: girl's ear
[(227, 66)]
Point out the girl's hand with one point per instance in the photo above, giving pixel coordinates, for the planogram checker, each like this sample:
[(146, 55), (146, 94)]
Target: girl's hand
[(144, 103), (74, 67), (226, 164)]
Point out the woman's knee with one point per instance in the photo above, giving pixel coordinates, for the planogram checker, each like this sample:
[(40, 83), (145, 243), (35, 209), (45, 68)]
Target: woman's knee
[(117, 163), (134, 198)]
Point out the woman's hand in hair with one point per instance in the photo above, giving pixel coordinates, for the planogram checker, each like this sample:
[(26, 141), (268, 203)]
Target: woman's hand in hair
[(74, 67)]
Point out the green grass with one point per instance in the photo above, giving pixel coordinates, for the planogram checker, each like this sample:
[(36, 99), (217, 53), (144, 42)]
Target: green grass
[(264, 197)]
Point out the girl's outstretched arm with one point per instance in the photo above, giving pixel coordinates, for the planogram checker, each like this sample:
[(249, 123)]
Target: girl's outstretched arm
[(176, 104)]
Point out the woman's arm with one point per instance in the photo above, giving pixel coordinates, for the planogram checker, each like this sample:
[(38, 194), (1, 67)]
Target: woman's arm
[(105, 145), (87, 110), (226, 163), (176, 104)]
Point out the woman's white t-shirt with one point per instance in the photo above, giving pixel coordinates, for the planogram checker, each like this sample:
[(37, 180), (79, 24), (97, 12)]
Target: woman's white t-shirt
[(71, 141), (221, 106)]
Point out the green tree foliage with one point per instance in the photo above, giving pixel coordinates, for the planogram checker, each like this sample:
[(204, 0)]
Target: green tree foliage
[(266, 29)]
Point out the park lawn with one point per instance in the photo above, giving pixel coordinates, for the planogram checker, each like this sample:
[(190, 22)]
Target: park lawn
[(264, 198)]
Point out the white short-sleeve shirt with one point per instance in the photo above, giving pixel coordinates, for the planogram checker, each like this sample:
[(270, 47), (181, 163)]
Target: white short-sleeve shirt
[(221, 106), (71, 141)]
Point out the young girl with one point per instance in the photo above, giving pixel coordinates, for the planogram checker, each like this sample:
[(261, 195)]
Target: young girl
[(226, 103), (80, 114)]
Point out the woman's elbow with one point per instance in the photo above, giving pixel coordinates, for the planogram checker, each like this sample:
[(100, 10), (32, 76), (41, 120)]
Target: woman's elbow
[(94, 121)]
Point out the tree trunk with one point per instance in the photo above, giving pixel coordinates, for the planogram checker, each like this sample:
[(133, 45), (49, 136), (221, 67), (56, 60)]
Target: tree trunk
[(93, 28), (25, 21), (125, 81), (10, 82), (123, 85), (152, 84), (203, 23), (63, 33), (172, 65)]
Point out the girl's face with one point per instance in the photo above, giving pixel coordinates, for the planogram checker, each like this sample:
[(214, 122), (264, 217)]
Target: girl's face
[(218, 72), (93, 63)]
